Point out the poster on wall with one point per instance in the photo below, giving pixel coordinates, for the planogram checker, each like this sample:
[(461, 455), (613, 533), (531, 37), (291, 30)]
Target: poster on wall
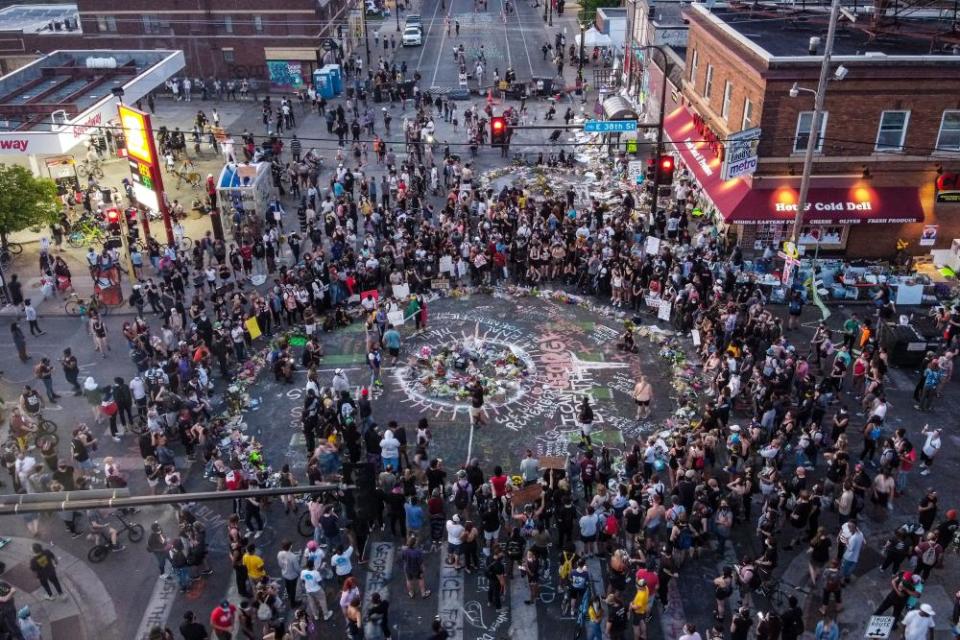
[(929, 236), (285, 74)]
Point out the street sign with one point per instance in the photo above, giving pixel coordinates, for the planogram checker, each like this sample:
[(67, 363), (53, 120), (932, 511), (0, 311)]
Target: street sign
[(879, 627), (610, 126), (635, 171)]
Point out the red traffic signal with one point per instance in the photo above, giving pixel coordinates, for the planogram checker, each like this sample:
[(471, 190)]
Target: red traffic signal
[(498, 130), (665, 169), (113, 216)]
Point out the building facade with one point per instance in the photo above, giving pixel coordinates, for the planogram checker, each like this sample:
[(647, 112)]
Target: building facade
[(281, 42), (891, 128)]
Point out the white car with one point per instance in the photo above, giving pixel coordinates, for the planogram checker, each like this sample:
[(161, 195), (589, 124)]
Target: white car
[(412, 37)]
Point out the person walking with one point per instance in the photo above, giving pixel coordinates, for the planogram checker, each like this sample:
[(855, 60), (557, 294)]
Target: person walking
[(222, 619), (30, 313), (642, 396), (44, 566)]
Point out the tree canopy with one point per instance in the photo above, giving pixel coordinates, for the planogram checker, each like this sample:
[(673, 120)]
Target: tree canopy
[(25, 200)]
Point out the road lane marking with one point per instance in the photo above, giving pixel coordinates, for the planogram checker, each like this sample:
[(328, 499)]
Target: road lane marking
[(450, 609), (423, 47)]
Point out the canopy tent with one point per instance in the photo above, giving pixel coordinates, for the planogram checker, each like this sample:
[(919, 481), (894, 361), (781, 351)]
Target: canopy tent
[(595, 39)]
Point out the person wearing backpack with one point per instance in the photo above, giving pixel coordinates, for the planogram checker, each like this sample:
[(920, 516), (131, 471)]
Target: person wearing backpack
[(792, 620), (832, 586), (929, 554), (496, 579), (178, 560)]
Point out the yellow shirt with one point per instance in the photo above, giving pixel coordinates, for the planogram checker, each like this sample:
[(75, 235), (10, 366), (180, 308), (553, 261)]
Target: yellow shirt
[(641, 601), (254, 565), (594, 615)]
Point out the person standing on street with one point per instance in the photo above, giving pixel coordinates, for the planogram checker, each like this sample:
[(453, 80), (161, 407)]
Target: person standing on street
[(44, 373), (20, 341), (289, 571), (71, 371), (222, 619), (44, 566), (642, 395), (190, 629)]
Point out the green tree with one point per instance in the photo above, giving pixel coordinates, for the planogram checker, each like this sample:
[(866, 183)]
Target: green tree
[(25, 201)]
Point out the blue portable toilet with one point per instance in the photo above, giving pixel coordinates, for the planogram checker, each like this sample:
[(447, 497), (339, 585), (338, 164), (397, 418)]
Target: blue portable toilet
[(336, 75), (324, 84)]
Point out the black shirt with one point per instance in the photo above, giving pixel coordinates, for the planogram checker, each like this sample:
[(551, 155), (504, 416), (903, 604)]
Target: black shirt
[(193, 631)]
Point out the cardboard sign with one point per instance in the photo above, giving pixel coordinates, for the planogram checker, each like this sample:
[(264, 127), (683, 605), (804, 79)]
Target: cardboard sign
[(663, 312), (480, 261), (395, 318), (401, 291), (370, 292), (446, 264), (879, 627), (253, 327), (652, 301), (526, 495), (695, 334), (553, 462), (653, 246), (440, 284)]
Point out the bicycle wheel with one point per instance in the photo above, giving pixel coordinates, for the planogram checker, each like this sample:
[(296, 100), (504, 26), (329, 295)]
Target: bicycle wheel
[(304, 526), (72, 308), (76, 240), (47, 426), (135, 532), (186, 244), (98, 553), (82, 170), (15, 248), (97, 172), (44, 439)]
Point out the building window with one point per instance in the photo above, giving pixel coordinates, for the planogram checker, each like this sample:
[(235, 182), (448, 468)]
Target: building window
[(949, 137), (804, 124), (747, 114), (258, 24), (694, 59), (727, 94), (228, 56), (107, 24), (708, 83), (228, 24), (893, 130)]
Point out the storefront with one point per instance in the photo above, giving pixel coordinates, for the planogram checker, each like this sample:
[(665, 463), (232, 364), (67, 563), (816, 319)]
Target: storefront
[(290, 69), (761, 210)]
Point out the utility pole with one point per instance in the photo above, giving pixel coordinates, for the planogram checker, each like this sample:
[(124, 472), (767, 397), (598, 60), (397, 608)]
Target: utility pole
[(663, 113), (549, 13), (396, 10), (814, 137), (366, 36), (583, 37)]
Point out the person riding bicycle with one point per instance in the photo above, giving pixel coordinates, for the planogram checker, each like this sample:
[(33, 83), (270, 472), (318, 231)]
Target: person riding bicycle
[(30, 402), (100, 528), (22, 426)]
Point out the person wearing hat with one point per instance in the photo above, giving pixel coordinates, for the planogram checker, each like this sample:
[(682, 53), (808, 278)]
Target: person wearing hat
[(455, 533), (902, 587), (919, 623), (222, 620), (190, 629)]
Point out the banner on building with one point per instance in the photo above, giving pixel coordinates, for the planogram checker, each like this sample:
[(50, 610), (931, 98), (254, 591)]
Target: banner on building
[(740, 156)]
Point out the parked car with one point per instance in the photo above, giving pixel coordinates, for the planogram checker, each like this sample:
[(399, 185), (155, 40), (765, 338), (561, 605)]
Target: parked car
[(412, 37)]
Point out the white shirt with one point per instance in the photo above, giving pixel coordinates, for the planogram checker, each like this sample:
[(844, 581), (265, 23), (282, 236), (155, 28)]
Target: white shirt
[(137, 388), (312, 582), (454, 531), (854, 546), (931, 445), (916, 626)]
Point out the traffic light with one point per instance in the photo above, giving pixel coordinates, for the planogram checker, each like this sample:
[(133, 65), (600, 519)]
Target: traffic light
[(498, 131), (650, 171), (665, 169), (113, 220)]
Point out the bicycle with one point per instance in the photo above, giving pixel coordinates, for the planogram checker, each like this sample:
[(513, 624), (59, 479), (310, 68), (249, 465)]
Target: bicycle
[(103, 548), (75, 306), (90, 168), (7, 253), (777, 591), (192, 178), (46, 434), (185, 244), (85, 236)]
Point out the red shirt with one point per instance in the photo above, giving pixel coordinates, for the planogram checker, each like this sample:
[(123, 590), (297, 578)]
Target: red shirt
[(222, 619), (652, 579), (499, 484)]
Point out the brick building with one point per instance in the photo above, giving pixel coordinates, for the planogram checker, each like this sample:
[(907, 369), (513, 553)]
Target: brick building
[(281, 41), (892, 127)]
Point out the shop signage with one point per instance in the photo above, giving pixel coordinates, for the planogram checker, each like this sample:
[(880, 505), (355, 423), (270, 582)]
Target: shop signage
[(948, 187), (826, 206), (699, 157), (929, 236), (740, 157), (16, 145)]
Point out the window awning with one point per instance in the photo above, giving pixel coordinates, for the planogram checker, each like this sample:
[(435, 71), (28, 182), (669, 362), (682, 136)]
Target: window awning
[(858, 203), (703, 162)]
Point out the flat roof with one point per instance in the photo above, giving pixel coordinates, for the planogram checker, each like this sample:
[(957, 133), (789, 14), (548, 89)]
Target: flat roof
[(76, 81), (787, 33), (40, 18)]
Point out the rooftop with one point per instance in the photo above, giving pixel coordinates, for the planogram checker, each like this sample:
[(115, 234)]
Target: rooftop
[(58, 87), (785, 32), (40, 18)]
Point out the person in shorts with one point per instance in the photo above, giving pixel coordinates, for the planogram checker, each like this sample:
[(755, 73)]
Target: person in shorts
[(455, 533), (411, 558)]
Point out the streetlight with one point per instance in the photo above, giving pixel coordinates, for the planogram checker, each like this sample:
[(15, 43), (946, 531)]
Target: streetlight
[(814, 137), (583, 38), (396, 10)]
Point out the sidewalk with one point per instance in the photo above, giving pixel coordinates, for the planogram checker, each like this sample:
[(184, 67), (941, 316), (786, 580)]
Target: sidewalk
[(87, 613)]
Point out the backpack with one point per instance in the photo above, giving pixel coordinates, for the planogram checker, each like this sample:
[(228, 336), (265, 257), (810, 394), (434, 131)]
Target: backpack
[(929, 556), (566, 567), (460, 497), (685, 541), (834, 581)]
